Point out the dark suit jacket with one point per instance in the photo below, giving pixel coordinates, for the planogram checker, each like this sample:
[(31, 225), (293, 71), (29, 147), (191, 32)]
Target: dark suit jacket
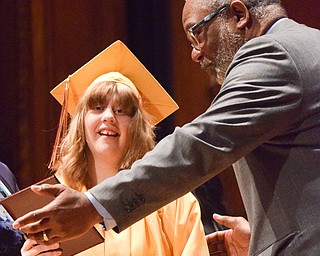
[(265, 120)]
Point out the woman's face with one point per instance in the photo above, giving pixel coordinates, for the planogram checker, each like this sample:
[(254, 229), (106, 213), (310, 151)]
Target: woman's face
[(106, 131)]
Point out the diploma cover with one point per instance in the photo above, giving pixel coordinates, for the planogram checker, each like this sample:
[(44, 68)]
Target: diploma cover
[(26, 200)]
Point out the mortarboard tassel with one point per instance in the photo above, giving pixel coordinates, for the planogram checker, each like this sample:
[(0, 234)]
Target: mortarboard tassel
[(62, 128)]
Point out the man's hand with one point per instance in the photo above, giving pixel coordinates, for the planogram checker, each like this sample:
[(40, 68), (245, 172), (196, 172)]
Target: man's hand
[(68, 216), (234, 241)]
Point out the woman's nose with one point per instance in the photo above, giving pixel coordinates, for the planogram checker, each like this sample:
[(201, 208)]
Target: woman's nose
[(196, 55), (108, 115)]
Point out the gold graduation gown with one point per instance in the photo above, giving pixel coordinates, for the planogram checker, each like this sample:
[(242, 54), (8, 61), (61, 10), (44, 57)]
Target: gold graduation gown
[(174, 229)]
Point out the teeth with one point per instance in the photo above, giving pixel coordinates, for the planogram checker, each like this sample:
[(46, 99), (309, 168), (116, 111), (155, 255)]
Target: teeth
[(108, 133)]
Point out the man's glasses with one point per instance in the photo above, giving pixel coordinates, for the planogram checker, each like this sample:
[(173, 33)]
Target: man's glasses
[(190, 32)]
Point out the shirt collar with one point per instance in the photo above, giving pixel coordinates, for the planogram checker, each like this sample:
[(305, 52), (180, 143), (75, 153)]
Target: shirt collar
[(275, 24)]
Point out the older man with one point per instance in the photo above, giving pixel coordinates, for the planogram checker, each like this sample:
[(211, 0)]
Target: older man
[(265, 121)]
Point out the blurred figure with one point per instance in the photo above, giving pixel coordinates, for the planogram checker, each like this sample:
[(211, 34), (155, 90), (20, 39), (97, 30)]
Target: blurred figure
[(11, 240)]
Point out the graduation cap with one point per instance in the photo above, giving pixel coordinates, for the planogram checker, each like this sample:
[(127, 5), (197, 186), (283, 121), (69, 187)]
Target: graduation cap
[(116, 58)]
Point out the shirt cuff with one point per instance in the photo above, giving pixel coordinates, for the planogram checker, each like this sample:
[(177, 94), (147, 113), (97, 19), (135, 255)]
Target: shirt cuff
[(109, 222)]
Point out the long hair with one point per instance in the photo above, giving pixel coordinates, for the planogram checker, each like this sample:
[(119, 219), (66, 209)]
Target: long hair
[(74, 152)]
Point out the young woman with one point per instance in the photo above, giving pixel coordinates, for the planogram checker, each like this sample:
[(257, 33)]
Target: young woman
[(109, 131)]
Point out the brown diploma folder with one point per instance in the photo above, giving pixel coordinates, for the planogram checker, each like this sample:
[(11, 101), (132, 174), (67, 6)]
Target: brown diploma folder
[(26, 200)]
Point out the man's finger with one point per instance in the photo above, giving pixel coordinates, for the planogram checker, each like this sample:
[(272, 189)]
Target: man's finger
[(33, 221), (39, 238), (215, 237), (47, 189), (227, 221), (36, 227), (33, 216), (37, 215), (217, 248)]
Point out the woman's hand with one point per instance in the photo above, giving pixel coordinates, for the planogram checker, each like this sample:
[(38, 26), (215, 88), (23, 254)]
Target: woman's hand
[(31, 248)]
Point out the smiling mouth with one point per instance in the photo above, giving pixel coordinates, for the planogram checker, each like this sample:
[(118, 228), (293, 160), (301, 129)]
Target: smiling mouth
[(112, 134)]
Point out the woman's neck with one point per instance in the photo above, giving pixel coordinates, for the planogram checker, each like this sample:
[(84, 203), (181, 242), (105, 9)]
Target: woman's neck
[(101, 168)]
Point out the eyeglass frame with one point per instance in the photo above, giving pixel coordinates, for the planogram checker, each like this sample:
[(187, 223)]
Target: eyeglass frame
[(206, 19)]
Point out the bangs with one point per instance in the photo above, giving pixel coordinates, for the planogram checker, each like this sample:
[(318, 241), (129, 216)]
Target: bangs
[(104, 93)]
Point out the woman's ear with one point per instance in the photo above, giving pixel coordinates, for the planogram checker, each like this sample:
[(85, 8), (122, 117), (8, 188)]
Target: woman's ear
[(240, 11)]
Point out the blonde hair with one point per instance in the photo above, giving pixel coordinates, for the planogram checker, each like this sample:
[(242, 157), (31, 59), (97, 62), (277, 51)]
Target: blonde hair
[(74, 153)]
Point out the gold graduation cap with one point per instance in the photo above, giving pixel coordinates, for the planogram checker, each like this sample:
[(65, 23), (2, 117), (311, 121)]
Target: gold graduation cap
[(115, 58)]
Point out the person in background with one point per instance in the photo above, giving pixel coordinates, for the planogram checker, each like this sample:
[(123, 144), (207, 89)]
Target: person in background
[(8, 180), (11, 240), (110, 129), (265, 120)]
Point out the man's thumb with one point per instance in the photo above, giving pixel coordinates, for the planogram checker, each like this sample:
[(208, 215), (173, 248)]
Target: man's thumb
[(47, 189)]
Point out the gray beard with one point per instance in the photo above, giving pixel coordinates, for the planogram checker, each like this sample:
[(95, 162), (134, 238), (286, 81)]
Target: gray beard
[(229, 43)]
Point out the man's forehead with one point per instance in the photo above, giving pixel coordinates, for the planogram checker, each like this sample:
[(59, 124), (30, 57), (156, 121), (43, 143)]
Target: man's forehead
[(200, 3), (195, 10), (196, 7)]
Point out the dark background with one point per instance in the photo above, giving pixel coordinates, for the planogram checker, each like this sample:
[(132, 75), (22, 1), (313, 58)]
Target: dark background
[(42, 42)]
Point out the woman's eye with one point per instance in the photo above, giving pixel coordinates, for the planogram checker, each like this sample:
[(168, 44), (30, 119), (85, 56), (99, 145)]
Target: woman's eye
[(118, 111), (98, 108)]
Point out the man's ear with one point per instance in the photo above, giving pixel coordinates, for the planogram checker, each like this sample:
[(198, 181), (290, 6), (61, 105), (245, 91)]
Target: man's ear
[(240, 11)]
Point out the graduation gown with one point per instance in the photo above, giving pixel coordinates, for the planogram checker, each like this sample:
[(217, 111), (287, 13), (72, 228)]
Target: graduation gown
[(174, 229)]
